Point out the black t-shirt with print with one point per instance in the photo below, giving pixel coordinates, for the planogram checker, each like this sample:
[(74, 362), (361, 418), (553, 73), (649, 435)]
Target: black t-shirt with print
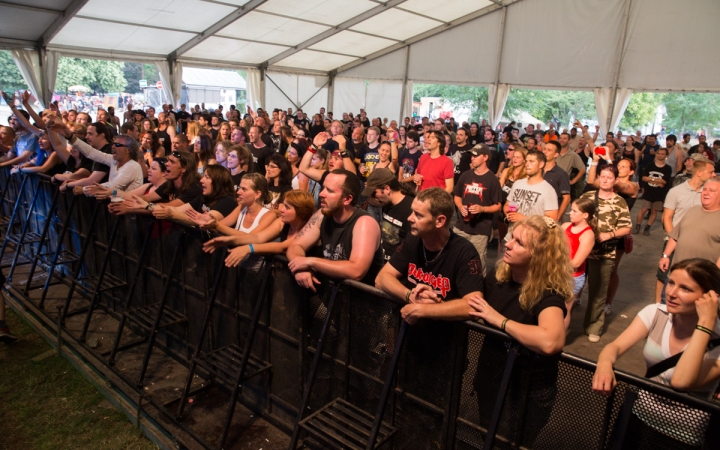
[(223, 205), (277, 193), (301, 123), (395, 226), (505, 299), (483, 190), (168, 193), (652, 191), (453, 272), (368, 157), (261, 156), (461, 157), (237, 178), (409, 162)]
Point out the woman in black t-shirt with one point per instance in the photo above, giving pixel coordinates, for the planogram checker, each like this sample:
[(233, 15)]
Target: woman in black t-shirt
[(525, 297), (217, 199), (279, 175)]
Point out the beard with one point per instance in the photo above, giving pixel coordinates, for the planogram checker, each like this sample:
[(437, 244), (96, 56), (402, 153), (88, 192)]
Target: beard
[(329, 211)]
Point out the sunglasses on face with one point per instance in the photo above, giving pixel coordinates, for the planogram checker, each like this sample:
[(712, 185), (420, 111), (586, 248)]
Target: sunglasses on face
[(118, 144)]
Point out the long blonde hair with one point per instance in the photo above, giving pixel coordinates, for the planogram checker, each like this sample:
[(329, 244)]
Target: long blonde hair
[(549, 269)]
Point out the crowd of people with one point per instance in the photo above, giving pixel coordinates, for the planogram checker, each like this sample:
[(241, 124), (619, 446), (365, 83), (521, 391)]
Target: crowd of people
[(412, 209)]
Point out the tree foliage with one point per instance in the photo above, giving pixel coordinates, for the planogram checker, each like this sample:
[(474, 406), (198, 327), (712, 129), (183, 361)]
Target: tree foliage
[(691, 111), (640, 110), (11, 79), (134, 72), (562, 107), (99, 75)]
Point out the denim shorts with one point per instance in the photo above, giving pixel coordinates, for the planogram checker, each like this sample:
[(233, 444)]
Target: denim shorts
[(579, 284)]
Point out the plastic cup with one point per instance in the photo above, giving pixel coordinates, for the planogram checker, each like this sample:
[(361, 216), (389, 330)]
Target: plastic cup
[(116, 199), (512, 207)]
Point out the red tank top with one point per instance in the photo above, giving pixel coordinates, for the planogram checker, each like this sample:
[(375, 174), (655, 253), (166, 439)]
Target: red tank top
[(574, 240)]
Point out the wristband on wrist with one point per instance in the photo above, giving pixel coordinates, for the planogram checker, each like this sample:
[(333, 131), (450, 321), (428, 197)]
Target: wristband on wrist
[(665, 256), (502, 327), (703, 329), (114, 192), (312, 150), (252, 249), (407, 296), (344, 154)]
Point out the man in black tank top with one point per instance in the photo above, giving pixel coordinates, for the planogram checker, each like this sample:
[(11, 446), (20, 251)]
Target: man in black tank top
[(349, 237)]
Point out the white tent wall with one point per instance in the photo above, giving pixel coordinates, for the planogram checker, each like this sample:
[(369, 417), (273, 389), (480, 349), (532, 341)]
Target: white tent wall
[(463, 55), (280, 90), (288, 90), (349, 96), (255, 95), (672, 46), (313, 93), (543, 47), (383, 99), (388, 67)]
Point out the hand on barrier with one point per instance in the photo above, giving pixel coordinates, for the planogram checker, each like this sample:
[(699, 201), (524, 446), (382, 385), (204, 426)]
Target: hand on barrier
[(300, 264), (135, 202), (307, 280), (236, 256), (204, 221), (604, 380), (411, 313), (78, 190), (216, 243), (482, 310), (422, 293), (162, 212), (101, 192)]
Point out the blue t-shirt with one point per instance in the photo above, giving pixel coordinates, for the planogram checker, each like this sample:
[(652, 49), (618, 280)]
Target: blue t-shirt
[(28, 142)]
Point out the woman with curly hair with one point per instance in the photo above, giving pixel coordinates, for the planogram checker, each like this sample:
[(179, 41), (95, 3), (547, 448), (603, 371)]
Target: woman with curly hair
[(525, 298), (204, 154)]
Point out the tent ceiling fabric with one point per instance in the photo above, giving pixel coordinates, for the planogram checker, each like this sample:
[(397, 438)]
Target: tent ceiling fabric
[(555, 44)]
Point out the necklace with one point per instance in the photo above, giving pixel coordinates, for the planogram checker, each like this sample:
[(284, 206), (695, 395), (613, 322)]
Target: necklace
[(436, 256)]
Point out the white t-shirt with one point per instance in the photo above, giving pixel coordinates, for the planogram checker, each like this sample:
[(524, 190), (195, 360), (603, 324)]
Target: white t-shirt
[(681, 198), (533, 199), (658, 413)]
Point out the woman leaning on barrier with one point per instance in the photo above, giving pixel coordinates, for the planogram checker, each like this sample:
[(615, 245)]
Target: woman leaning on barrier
[(295, 211), (688, 326), (217, 199), (525, 297)]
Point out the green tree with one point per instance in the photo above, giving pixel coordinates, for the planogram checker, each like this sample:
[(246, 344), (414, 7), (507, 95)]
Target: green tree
[(691, 111), (99, 75), (640, 110), (10, 78), (559, 106), (134, 72)]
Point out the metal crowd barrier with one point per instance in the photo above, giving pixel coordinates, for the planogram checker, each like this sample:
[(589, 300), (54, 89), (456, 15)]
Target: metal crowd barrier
[(336, 369)]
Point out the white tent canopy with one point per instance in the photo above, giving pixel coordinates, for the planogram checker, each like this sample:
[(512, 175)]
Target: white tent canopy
[(308, 53)]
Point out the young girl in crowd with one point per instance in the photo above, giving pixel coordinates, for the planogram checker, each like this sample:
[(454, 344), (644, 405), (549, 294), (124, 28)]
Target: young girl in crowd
[(295, 211), (221, 151), (685, 324), (203, 150), (581, 239), (515, 171), (238, 156)]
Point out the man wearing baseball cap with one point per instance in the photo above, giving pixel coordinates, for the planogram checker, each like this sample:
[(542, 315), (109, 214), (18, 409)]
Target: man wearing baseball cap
[(384, 188), (478, 196)]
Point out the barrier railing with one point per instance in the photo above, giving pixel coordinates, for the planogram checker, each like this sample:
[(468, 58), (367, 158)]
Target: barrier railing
[(336, 369)]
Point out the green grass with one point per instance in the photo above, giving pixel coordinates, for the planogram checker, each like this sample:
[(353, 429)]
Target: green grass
[(49, 405)]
